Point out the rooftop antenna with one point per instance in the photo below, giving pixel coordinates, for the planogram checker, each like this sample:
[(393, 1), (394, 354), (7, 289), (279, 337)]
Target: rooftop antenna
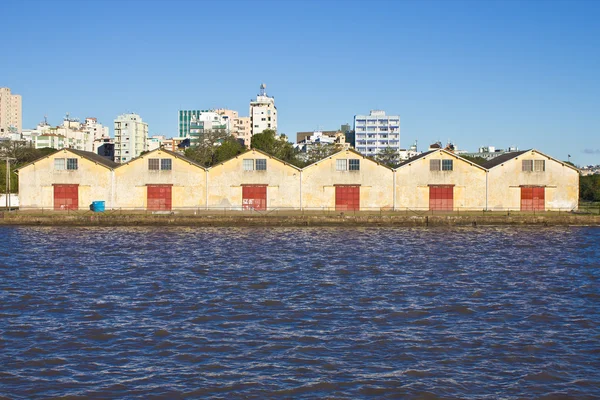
[(263, 89)]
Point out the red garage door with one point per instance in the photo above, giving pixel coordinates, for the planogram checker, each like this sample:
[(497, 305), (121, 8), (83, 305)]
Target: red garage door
[(347, 198), (254, 197), (159, 197), (533, 198), (441, 198), (66, 197)]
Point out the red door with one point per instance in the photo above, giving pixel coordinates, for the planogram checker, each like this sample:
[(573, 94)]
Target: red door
[(347, 198), (66, 197), (159, 197), (254, 197), (533, 198), (441, 198)]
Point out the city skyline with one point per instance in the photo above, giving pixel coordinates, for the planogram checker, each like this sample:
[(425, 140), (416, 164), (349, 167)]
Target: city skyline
[(495, 74)]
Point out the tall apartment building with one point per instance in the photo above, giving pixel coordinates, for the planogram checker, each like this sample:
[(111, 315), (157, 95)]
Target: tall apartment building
[(131, 137), (376, 131), (185, 118), (263, 113), (11, 115)]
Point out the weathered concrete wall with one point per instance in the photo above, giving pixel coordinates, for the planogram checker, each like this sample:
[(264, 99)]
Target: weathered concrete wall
[(37, 179), (505, 181), (319, 180), (413, 181), (225, 182), (133, 178)]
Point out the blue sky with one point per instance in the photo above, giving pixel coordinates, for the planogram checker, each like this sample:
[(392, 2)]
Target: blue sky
[(477, 73)]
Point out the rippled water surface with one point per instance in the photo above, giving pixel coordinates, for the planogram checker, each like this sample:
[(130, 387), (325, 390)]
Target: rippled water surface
[(303, 313)]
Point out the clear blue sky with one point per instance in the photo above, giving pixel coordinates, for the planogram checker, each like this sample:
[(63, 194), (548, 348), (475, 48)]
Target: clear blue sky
[(475, 72)]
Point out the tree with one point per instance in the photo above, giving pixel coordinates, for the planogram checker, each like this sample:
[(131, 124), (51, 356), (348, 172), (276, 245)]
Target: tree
[(317, 152), (589, 188), (229, 148), (276, 146), (388, 157), (204, 149), (475, 160)]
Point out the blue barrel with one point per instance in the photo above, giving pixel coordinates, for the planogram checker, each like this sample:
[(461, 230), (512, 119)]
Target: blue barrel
[(97, 206)]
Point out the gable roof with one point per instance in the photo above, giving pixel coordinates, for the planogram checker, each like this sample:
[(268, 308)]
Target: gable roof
[(351, 151), (258, 151), (169, 152), (509, 156), (93, 157), (415, 158), (501, 159)]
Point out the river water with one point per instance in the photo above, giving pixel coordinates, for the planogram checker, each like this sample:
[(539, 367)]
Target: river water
[(165, 312)]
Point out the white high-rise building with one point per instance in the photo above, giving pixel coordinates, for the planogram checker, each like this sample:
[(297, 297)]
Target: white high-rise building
[(10, 112), (131, 137), (263, 113), (376, 131)]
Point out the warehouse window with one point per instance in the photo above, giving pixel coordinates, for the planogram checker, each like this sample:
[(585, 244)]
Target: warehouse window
[(435, 165), (354, 165), (447, 165), (154, 164), (539, 165), (527, 165), (248, 164), (341, 165), (71, 163), (59, 164), (261, 164), (166, 164)]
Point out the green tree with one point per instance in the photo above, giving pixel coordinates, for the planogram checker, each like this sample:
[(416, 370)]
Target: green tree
[(317, 152), (229, 148), (475, 160), (204, 148), (589, 187), (276, 146), (388, 157)]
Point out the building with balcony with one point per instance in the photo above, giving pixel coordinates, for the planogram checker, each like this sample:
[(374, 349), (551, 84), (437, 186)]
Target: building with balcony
[(131, 137), (263, 113), (10, 112), (376, 131)]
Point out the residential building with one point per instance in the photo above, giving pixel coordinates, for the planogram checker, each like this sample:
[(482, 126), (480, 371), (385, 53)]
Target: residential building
[(207, 121), (185, 118), (411, 152), (263, 113), (75, 135), (131, 137), (241, 129), (105, 147), (10, 112), (319, 138), (376, 131)]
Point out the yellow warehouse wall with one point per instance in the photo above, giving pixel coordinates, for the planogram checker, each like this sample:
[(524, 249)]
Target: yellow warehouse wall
[(225, 182), (413, 180), (188, 180), (505, 181), (376, 183)]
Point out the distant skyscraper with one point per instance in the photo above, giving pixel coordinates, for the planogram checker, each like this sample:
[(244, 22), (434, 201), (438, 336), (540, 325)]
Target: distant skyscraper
[(131, 137), (376, 131), (263, 113), (10, 112)]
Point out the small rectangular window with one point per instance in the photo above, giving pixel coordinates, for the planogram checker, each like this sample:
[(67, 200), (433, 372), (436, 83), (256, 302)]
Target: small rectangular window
[(261, 164), (248, 164), (435, 165), (527, 165), (447, 165), (59, 164), (71, 163), (153, 164), (539, 165), (165, 164), (354, 165), (341, 165)]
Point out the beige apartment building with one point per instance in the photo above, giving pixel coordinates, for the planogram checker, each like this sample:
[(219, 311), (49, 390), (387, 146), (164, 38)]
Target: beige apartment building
[(10, 112)]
